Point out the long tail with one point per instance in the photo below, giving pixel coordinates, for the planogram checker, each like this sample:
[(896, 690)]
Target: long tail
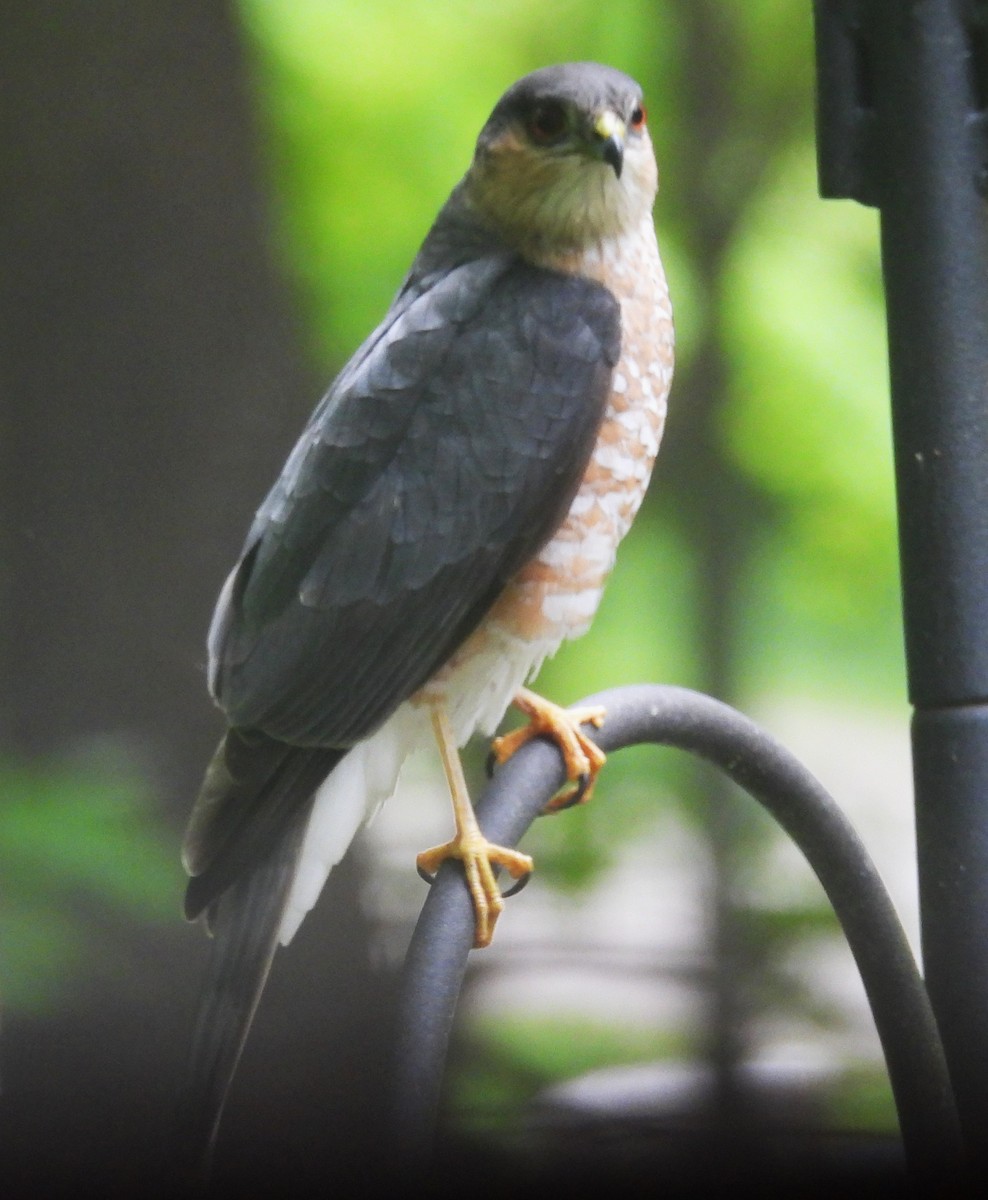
[(244, 916), (245, 923)]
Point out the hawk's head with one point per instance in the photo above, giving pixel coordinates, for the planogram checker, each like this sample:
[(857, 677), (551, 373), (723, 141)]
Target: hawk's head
[(564, 159)]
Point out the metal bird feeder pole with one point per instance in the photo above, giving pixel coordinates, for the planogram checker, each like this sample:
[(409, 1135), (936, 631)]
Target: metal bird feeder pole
[(902, 118)]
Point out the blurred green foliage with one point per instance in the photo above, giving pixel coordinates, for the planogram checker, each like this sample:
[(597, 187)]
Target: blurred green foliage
[(516, 1058), (80, 850)]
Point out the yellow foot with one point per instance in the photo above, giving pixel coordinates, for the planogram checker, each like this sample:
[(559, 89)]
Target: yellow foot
[(582, 756), (478, 856)]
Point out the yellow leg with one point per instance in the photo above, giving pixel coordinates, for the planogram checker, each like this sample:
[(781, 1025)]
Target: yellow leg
[(468, 843), (582, 756)]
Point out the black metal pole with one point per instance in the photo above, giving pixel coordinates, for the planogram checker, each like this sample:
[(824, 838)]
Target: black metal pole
[(903, 100)]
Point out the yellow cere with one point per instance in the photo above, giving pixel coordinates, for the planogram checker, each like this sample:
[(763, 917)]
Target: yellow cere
[(609, 125)]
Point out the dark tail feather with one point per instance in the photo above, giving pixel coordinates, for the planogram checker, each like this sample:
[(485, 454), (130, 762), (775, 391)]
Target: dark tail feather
[(245, 923), (244, 838)]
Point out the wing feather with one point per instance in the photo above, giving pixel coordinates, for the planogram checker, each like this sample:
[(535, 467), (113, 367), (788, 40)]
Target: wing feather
[(439, 463)]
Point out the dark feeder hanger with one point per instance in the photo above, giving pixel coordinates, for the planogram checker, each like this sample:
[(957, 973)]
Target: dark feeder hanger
[(902, 120)]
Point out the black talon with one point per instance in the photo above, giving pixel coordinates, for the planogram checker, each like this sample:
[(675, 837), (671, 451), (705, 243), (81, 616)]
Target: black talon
[(490, 763), (517, 887), (570, 800), (424, 874)]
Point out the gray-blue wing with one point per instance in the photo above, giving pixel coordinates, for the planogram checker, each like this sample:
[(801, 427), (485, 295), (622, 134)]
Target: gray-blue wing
[(445, 456)]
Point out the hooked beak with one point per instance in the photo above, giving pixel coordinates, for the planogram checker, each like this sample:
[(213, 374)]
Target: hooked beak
[(609, 133)]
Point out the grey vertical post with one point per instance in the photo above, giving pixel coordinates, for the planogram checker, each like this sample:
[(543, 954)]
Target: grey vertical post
[(903, 91)]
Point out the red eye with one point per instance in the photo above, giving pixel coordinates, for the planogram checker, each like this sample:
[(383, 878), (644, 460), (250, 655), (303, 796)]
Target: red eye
[(547, 123), (638, 117)]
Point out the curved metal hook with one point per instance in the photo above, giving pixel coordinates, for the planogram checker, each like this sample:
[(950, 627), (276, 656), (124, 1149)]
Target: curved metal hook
[(437, 956)]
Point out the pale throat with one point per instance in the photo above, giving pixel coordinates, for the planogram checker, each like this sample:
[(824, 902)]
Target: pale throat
[(552, 210)]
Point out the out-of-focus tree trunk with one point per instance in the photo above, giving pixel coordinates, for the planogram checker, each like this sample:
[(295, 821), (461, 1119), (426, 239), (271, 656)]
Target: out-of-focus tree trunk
[(722, 508), (150, 385), (150, 373)]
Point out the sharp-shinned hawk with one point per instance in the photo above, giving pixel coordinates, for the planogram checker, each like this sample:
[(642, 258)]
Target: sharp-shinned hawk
[(448, 517)]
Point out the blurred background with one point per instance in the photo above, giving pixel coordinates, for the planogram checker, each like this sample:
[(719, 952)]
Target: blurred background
[(203, 210)]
